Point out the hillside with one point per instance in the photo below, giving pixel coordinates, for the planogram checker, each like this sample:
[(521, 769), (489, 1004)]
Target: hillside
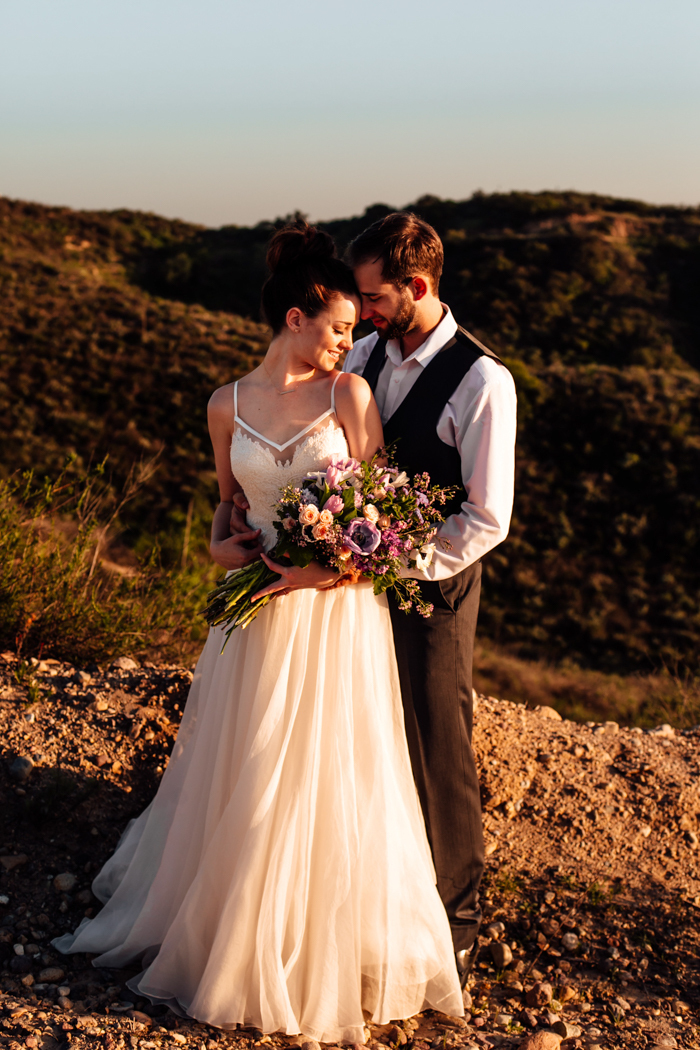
[(590, 896), (115, 327)]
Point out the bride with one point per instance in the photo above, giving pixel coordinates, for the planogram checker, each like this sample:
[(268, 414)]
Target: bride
[(281, 877)]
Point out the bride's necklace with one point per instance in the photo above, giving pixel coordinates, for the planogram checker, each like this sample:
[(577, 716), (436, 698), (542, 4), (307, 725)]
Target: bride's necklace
[(311, 374)]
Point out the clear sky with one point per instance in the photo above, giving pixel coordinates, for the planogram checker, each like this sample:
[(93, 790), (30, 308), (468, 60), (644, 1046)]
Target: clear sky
[(223, 111)]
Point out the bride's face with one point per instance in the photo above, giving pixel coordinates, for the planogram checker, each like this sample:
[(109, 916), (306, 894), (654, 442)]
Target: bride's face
[(324, 338)]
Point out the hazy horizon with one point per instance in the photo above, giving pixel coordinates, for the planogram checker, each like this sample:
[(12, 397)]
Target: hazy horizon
[(223, 112)]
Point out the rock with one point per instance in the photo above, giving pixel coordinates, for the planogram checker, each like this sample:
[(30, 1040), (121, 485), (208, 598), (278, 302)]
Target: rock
[(541, 1041), (397, 1036), (549, 712), (21, 963), (565, 1030), (125, 663), (570, 942), (64, 990), (593, 1032), (548, 1018), (664, 1041), (501, 954), (64, 1002), (52, 975), (21, 769), (567, 994), (623, 1003), (540, 994), (10, 863), (311, 1044), (64, 882), (467, 1001), (663, 730), (528, 1018), (494, 930), (83, 677), (142, 1018)]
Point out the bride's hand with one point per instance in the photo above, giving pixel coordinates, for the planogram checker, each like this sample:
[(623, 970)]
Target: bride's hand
[(294, 579)]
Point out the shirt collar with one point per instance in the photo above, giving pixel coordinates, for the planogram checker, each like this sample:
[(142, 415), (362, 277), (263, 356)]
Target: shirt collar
[(432, 345)]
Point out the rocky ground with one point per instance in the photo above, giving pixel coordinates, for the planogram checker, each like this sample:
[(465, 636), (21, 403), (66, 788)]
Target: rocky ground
[(591, 897)]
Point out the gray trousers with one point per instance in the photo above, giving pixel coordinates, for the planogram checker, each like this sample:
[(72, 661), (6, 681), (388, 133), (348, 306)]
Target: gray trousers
[(435, 668)]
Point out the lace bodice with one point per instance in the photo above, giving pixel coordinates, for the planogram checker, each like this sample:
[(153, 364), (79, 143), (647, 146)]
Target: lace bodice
[(262, 477)]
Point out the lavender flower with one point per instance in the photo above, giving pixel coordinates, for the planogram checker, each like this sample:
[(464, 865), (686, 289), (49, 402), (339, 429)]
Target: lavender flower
[(361, 536)]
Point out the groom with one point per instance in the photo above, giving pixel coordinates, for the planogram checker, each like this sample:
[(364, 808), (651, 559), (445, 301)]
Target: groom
[(449, 404)]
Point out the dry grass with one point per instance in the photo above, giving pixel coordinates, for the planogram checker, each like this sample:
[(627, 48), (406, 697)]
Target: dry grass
[(637, 699)]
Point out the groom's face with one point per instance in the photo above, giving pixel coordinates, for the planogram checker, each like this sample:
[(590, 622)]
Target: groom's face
[(391, 309)]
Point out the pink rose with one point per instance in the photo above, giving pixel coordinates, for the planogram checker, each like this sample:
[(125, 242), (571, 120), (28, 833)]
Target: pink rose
[(308, 514), (334, 504), (288, 523), (320, 531), (371, 513), (326, 517)]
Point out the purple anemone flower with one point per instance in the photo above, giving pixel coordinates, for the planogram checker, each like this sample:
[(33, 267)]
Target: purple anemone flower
[(361, 536)]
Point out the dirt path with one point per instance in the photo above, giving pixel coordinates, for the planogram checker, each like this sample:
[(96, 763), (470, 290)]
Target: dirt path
[(591, 898)]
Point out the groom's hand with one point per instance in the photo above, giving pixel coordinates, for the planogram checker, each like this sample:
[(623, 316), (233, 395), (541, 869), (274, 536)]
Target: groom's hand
[(238, 523)]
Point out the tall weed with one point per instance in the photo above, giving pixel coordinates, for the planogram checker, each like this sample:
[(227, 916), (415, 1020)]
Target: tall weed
[(60, 597)]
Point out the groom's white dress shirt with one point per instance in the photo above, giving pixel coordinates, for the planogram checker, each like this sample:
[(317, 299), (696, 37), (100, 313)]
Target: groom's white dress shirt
[(479, 420)]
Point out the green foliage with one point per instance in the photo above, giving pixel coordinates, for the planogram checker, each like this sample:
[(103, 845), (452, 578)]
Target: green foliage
[(56, 599), (116, 327)]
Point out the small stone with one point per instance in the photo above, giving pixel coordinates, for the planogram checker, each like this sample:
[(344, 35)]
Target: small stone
[(310, 1044), (18, 949), (565, 1030), (494, 930), (177, 1037), (593, 1032), (467, 1001), (549, 1018), (65, 882), (125, 663), (541, 1041), (540, 994), (28, 980), (623, 1003), (550, 896), (83, 677), (21, 769), (570, 942), (501, 954), (567, 994), (137, 1015), (84, 897), (21, 963), (64, 990), (64, 1002), (663, 730), (504, 1019), (664, 1040), (528, 1018), (645, 830), (52, 975), (548, 712)]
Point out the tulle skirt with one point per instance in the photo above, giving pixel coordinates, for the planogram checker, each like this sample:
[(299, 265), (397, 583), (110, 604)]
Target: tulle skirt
[(281, 877)]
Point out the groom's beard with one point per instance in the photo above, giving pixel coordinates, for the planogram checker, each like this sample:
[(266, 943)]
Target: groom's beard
[(403, 320)]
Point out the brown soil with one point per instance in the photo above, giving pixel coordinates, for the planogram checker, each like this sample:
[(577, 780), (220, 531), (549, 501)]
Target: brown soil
[(591, 831)]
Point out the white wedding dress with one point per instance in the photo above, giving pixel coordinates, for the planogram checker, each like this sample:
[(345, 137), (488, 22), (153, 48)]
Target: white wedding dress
[(281, 877)]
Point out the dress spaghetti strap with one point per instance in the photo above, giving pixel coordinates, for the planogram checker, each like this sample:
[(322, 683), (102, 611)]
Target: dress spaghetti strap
[(333, 391)]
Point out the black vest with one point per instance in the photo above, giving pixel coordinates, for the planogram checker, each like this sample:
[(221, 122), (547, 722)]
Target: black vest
[(413, 426)]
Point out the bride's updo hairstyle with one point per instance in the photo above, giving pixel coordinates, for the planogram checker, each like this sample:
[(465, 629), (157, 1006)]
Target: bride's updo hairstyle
[(304, 272)]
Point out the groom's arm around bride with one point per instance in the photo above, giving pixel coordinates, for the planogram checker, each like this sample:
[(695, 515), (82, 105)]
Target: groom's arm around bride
[(449, 405)]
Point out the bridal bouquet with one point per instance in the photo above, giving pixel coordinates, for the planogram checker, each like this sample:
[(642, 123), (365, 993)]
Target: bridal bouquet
[(357, 518)]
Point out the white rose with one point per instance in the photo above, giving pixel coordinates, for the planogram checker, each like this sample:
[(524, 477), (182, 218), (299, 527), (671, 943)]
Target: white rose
[(371, 513)]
